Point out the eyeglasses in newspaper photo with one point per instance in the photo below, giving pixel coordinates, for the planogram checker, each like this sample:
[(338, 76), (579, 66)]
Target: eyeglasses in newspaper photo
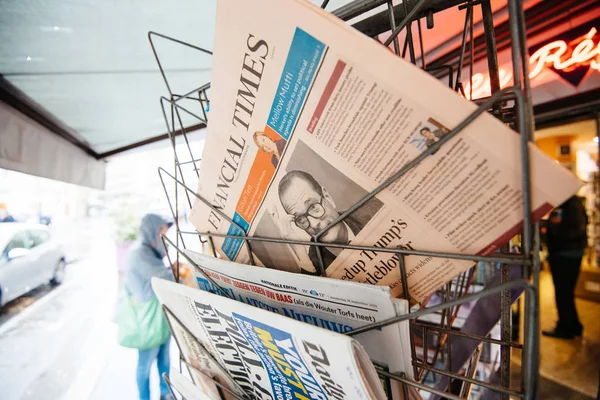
[(316, 210)]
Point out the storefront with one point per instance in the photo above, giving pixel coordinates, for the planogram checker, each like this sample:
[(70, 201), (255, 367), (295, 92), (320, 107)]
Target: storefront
[(569, 132), (565, 79)]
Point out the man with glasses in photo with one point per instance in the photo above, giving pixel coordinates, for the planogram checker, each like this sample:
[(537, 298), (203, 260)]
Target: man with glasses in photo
[(311, 208)]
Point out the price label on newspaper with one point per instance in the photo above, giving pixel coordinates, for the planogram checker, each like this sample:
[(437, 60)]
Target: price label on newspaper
[(308, 116)]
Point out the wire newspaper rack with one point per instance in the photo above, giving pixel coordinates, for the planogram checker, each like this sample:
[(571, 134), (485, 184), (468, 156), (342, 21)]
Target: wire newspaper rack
[(438, 370)]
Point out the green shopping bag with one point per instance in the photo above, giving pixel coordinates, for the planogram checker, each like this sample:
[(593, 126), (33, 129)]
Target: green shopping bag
[(141, 325)]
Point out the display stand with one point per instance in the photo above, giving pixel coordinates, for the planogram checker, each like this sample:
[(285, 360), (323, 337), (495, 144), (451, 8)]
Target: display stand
[(432, 362)]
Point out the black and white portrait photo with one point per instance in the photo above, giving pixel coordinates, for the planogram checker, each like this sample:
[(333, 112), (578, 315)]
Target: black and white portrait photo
[(312, 194)]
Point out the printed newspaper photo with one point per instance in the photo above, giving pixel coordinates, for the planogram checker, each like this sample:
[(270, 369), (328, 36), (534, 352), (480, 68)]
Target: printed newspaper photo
[(308, 116), (271, 356)]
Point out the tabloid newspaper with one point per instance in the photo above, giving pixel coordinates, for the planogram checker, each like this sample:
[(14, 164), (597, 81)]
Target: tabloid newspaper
[(327, 303), (271, 356), (308, 115), (205, 368), (185, 387)]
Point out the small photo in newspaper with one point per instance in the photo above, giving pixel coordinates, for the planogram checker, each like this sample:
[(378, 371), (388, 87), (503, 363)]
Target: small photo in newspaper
[(428, 134)]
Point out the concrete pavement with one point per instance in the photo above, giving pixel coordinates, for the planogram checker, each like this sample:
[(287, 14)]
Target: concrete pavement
[(56, 331)]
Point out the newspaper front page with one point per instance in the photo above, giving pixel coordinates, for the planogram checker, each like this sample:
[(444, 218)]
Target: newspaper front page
[(271, 356), (206, 369), (327, 303), (308, 116)]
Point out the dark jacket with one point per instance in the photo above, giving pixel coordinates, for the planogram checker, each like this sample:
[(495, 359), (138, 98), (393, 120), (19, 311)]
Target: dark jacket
[(567, 227)]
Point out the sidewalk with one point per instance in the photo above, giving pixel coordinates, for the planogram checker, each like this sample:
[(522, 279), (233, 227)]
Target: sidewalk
[(571, 363), (116, 381)]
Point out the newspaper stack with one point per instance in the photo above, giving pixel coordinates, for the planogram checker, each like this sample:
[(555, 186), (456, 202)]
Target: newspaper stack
[(308, 116), (270, 356), (205, 371), (331, 304)]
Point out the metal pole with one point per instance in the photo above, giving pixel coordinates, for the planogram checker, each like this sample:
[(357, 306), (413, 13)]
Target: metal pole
[(409, 17), (492, 55), (505, 330), (462, 49), (409, 37), (406, 294), (458, 256), (176, 214), (598, 131), (393, 26), (524, 121)]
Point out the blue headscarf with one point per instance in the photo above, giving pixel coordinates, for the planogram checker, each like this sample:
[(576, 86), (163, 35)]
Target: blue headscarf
[(145, 259), (150, 233)]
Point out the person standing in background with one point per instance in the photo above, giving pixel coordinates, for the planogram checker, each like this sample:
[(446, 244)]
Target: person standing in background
[(566, 237), (145, 261)]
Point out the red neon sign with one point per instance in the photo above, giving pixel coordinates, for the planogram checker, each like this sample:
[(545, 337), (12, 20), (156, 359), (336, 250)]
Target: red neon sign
[(586, 51), (558, 55)]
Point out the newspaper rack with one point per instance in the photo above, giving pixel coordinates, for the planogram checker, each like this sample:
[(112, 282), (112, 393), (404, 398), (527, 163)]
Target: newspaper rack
[(512, 105), (170, 315)]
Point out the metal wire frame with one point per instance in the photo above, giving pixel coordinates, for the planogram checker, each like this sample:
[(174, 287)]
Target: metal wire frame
[(174, 98), (520, 93), (501, 258), (447, 317), (168, 315), (517, 31), (165, 377), (530, 302)]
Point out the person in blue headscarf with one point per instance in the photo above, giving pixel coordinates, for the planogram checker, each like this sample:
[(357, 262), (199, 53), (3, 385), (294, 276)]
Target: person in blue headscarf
[(145, 261)]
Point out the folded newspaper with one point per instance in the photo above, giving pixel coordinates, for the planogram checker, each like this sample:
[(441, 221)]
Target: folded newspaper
[(327, 303), (271, 356), (308, 116), (185, 387), (204, 369)]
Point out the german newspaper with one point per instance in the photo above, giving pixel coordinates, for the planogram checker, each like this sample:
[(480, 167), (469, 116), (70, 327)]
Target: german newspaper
[(271, 356), (308, 116), (205, 370), (327, 303)]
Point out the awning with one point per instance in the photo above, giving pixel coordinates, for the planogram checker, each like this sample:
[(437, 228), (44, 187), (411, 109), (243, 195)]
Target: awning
[(28, 147)]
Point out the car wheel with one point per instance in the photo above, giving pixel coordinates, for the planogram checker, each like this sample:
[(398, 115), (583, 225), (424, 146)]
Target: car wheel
[(59, 273)]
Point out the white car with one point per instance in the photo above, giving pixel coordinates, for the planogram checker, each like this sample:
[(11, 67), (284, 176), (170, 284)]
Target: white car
[(29, 257)]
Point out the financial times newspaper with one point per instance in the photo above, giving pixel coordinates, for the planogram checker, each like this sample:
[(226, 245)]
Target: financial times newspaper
[(270, 356), (308, 116), (186, 388), (331, 304)]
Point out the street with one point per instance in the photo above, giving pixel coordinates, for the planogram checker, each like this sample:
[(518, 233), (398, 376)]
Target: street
[(60, 343), (51, 336)]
